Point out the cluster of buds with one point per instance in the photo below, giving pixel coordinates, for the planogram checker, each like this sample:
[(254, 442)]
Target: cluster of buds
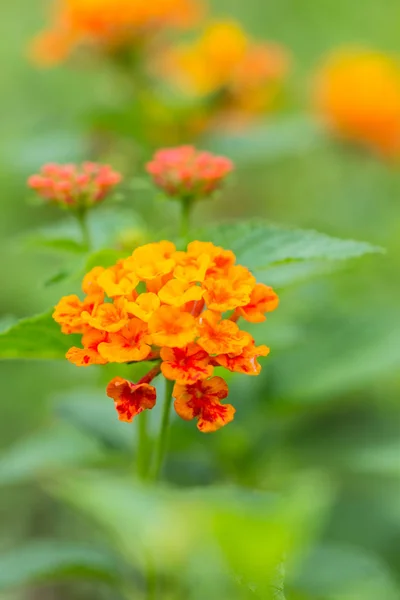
[(73, 186), (187, 173), (179, 309)]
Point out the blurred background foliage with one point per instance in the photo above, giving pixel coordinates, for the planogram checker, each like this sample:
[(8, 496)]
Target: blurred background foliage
[(323, 420)]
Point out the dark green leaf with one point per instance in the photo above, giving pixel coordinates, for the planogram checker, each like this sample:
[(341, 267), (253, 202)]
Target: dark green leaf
[(36, 337)]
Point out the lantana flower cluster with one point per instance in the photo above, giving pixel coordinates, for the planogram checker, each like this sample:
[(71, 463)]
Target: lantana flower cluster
[(108, 24), (178, 309), (243, 75), (357, 94), (187, 173), (74, 186)]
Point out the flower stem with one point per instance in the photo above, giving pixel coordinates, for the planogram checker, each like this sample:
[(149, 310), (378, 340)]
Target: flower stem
[(142, 448), (81, 215), (162, 441), (187, 204)]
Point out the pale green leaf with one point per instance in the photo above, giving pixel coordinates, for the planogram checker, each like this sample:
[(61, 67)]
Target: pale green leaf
[(336, 572), (260, 245), (271, 140), (253, 530), (78, 407), (46, 453), (46, 560), (36, 337)]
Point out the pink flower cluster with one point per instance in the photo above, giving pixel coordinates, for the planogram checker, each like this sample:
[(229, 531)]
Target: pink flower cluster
[(187, 173), (74, 186)]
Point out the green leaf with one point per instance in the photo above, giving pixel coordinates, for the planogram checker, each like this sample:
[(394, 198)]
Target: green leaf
[(46, 453), (78, 407), (253, 530), (271, 140), (333, 571), (47, 560), (36, 337), (59, 245), (259, 245)]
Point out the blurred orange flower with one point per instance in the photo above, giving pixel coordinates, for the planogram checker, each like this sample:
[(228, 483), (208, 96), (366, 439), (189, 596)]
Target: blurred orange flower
[(108, 24), (357, 94), (184, 320), (224, 62)]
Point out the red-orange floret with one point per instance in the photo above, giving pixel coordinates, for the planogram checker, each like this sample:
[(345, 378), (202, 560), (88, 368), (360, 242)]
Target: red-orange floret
[(202, 400), (186, 365), (131, 399)]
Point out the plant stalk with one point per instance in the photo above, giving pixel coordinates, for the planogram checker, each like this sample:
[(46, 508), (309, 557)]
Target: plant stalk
[(162, 441)]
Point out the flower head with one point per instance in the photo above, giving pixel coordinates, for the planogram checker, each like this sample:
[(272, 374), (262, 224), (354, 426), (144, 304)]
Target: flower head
[(74, 186), (109, 25), (187, 173), (357, 94), (184, 317)]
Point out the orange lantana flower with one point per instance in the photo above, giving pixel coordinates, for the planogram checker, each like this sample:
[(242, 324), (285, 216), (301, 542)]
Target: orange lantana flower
[(186, 365), (357, 94), (171, 327), (226, 65), (176, 321), (202, 400), (89, 354), (130, 399), (263, 299), (246, 362), (109, 25), (221, 336), (107, 317), (128, 345)]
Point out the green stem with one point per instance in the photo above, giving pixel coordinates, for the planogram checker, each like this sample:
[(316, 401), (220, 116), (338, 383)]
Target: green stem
[(187, 204), (162, 441), (142, 448), (81, 215), (151, 580)]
